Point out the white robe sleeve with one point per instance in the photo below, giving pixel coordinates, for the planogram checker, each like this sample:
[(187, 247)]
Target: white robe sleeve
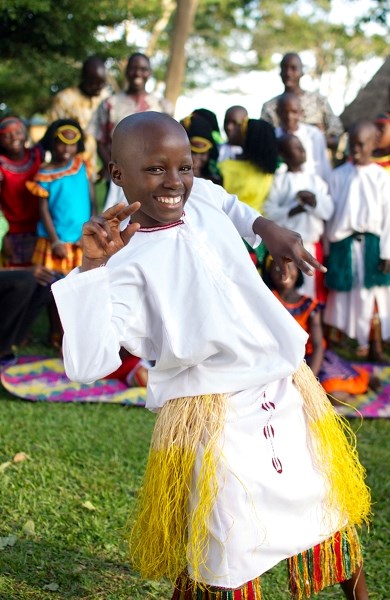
[(97, 318), (241, 215)]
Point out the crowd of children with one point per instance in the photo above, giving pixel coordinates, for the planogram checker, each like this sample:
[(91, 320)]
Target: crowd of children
[(280, 169), (283, 172)]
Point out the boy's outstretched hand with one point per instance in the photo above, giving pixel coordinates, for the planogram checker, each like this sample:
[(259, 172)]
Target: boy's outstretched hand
[(286, 246), (102, 236)]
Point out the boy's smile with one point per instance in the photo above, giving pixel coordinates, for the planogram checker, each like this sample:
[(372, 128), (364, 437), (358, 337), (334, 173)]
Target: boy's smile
[(152, 163)]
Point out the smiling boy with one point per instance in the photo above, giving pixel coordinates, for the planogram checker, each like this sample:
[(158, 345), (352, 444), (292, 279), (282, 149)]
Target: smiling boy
[(231, 487)]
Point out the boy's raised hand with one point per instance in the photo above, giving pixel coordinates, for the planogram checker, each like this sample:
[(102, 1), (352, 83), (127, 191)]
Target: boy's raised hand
[(286, 246), (102, 236)]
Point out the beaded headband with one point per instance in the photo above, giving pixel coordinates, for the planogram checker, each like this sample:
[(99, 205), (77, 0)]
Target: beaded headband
[(75, 134), (203, 144), (9, 124)]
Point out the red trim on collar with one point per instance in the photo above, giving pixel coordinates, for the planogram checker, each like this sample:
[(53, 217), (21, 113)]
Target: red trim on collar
[(161, 227)]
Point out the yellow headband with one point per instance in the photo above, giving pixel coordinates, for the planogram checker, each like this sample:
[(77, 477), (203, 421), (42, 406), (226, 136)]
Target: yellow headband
[(68, 128), (204, 144)]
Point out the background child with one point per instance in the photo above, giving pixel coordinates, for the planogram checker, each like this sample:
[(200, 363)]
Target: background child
[(65, 198), (381, 155), (233, 126), (358, 274), (18, 164), (250, 175), (289, 111), (338, 377), (204, 148), (300, 201)]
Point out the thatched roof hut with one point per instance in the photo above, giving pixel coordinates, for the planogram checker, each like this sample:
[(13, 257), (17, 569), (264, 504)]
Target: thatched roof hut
[(372, 99)]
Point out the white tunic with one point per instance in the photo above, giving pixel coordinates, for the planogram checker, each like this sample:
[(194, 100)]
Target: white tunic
[(361, 195), (189, 297)]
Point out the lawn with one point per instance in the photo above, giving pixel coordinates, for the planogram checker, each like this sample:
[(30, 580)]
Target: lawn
[(64, 507)]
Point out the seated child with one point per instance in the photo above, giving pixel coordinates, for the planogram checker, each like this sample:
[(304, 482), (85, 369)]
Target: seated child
[(24, 291), (300, 201), (233, 126), (289, 111), (338, 377)]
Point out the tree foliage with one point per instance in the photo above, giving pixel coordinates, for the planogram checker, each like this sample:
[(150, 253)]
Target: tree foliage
[(43, 42)]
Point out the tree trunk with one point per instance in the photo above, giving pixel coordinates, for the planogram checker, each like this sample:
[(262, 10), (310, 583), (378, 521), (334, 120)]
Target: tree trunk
[(184, 18)]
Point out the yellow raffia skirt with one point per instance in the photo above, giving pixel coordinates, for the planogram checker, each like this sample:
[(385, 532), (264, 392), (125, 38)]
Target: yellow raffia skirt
[(169, 531)]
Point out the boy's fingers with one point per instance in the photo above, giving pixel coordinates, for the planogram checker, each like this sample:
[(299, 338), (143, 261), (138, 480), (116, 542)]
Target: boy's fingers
[(121, 211), (128, 211), (113, 211), (307, 260), (99, 227)]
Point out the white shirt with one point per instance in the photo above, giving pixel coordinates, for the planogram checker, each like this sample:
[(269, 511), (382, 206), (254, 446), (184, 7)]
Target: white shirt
[(282, 198), (361, 195), (188, 297)]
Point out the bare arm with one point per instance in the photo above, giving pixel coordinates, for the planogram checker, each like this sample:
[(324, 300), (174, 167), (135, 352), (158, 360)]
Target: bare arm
[(58, 246)]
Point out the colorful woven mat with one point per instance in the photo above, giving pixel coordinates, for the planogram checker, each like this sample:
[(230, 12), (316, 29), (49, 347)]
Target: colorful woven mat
[(45, 380), (372, 405)]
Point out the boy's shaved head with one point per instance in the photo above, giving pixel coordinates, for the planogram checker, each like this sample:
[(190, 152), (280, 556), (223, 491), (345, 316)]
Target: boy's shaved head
[(132, 130)]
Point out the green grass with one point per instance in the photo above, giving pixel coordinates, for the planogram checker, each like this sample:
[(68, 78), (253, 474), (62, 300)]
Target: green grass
[(97, 453)]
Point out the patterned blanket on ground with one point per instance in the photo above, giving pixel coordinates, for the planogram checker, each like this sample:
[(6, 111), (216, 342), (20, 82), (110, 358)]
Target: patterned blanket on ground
[(45, 380), (372, 405)]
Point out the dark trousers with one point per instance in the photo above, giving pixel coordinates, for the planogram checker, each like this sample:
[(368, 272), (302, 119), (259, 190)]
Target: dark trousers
[(21, 300)]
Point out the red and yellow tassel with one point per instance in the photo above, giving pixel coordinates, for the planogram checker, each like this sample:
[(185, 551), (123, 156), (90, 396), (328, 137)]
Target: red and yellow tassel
[(333, 561)]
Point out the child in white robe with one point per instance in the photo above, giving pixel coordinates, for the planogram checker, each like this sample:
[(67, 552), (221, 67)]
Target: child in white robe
[(232, 486), (359, 235), (300, 201), (289, 111)]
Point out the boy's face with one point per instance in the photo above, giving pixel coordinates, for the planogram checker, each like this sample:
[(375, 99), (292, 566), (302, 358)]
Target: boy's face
[(289, 112), (155, 169), (232, 125), (361, 144)]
